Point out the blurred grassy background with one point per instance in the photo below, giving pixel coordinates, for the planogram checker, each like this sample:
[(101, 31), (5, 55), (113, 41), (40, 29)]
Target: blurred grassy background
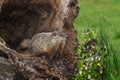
[(103, 16)]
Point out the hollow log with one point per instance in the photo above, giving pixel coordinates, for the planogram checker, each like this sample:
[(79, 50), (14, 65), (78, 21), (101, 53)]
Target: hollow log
[(37, 39)]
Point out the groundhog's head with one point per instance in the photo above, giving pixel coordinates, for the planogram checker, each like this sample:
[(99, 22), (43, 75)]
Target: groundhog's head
[(59, 37)]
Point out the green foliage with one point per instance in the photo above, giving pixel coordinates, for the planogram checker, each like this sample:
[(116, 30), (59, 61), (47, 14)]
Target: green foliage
[(111, 58), (102, 16), (90, 63)]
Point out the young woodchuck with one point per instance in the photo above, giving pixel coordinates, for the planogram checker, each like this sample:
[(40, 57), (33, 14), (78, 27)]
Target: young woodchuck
[(48, 43)]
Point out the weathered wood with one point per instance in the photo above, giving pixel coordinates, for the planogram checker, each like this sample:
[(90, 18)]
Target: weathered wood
[(20, 20)]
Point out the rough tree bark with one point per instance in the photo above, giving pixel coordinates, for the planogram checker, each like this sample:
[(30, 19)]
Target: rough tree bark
[(20, 20)]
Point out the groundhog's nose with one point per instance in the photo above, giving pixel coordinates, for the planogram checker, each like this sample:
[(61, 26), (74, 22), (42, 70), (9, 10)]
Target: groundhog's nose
[(66, 36)]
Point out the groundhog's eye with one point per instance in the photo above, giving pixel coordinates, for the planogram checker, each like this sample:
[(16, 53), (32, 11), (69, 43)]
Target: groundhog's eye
[(62, 34)]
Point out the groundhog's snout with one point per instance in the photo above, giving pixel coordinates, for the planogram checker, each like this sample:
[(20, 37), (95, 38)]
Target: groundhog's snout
[(64, 35)]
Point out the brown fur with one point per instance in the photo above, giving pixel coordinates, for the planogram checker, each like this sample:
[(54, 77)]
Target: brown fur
[(48, 44)]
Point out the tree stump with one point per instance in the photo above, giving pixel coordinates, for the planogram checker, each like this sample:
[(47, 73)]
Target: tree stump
[(20, 22)]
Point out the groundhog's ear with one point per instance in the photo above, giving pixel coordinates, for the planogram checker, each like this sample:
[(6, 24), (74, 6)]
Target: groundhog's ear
[(54, 34)]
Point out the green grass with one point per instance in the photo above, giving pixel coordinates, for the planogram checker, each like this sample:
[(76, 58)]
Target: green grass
[(103, 16)]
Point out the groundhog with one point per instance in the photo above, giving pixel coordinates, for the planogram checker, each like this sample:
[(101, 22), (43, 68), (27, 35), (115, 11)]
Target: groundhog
[(48, 43)]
